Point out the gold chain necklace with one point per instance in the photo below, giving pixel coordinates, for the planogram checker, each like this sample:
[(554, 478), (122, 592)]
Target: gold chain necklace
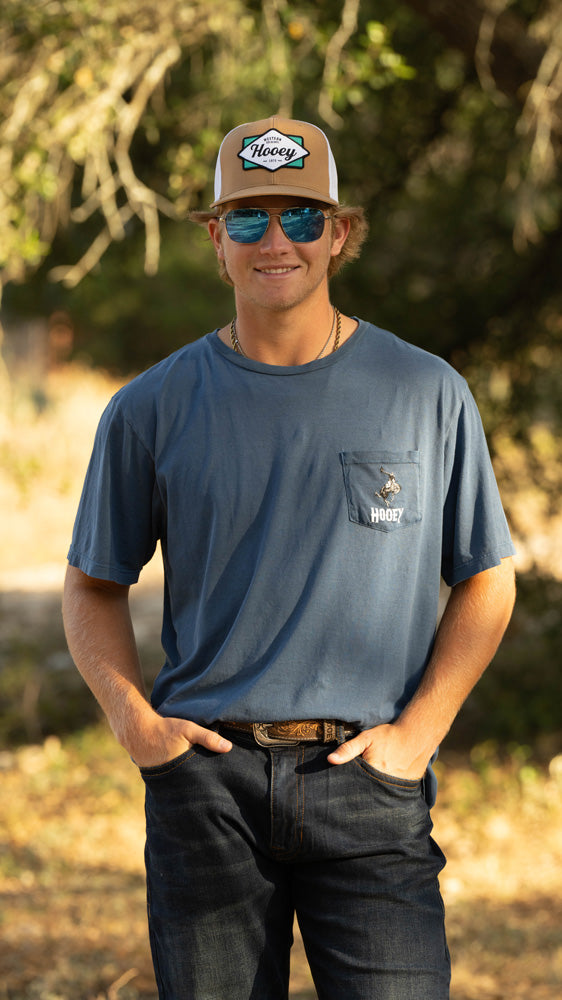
[(235, 343), (236, 346)]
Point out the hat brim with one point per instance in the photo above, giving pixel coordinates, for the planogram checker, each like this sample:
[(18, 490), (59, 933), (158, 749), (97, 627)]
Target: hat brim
[(284, 190)]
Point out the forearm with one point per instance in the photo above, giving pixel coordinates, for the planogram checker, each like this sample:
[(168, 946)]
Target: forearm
[(101, 641), (102, 644), (469, 634), (470, 631)]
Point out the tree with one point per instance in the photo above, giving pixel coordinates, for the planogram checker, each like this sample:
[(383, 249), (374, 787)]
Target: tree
[(86, 94), (82, 87), (516, 57), (77, 83)]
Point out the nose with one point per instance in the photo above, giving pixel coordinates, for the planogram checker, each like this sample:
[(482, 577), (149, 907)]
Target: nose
[(274, 238)]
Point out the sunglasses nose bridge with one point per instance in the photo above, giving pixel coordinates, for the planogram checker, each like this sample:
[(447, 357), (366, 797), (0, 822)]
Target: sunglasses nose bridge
[(274, 230)]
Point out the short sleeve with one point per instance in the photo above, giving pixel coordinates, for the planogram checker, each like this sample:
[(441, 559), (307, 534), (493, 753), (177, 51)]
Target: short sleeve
[(118, 520), (475, 531)]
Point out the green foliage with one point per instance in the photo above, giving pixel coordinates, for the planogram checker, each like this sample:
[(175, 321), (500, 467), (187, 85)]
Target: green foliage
[(82, 96), (115, 114), (517, 701), (40, 691)]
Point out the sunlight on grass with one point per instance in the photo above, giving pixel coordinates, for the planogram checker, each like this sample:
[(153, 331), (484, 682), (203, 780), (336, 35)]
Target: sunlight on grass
[(44, 449)]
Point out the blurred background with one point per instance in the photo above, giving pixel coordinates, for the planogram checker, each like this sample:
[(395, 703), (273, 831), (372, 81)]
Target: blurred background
[(445, 117)]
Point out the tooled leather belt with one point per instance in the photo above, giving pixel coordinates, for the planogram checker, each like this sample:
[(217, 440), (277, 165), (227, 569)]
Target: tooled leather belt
[(290, 733)]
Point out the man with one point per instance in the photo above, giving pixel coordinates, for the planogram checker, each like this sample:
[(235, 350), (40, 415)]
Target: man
[(311, 478)]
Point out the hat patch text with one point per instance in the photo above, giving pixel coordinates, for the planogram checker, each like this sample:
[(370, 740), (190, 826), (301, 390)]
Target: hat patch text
[(273, 150)]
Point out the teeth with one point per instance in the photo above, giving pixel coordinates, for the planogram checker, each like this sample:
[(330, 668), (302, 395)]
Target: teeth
[(276, 270)]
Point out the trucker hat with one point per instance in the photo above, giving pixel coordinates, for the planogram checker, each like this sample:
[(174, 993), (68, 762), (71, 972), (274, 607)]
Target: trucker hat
[(276, 156)]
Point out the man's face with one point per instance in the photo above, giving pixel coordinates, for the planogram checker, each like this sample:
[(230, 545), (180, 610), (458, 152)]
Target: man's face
[(276, 273)]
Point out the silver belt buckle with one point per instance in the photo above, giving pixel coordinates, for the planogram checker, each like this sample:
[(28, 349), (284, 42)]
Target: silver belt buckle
[(261, 737)]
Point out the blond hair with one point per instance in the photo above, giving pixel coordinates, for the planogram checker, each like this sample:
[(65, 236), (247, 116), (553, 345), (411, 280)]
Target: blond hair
[(358, 229)]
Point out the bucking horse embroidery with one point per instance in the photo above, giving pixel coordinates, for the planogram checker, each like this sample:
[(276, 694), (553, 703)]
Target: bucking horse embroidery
[(390, 489)]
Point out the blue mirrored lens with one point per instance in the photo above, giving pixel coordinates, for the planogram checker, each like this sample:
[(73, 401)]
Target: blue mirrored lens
[(246, 225), (303, 225), (300, 225)]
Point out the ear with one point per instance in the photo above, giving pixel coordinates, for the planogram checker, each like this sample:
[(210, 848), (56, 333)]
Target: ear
[(340, 232), (215, 232)]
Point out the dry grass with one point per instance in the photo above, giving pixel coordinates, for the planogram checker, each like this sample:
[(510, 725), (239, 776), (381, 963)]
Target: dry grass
[(500, 827), (46, 434)]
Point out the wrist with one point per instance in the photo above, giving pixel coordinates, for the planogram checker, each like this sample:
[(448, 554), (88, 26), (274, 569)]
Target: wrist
[(418, 738), (135, 723)]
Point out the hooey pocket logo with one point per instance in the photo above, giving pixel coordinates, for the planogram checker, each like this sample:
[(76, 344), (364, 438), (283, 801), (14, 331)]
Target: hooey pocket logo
[(382, 488)]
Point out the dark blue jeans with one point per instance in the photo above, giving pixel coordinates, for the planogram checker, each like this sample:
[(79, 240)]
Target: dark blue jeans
[(239, 842)]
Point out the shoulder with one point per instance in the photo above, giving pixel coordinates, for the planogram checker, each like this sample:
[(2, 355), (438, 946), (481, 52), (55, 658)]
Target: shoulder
[(159, 383), (152, 398), (405, 362)]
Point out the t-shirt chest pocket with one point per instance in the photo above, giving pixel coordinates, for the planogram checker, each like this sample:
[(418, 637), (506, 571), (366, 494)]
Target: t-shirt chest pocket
[(382, 488)]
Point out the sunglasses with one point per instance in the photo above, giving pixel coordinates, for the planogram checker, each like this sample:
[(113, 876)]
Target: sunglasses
[(300, 225)]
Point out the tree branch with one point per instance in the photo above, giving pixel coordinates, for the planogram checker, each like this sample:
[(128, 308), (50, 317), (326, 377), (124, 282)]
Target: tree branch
[(339, 39), (514, 55)]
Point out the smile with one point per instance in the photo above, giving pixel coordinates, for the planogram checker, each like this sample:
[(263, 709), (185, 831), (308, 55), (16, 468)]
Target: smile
[(275, 270)]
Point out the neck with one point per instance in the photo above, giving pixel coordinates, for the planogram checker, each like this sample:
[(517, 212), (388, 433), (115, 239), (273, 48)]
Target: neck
[(286, 337)]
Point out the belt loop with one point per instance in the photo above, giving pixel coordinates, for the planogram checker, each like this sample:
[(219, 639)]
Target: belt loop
[(340, 732), (330, 730)]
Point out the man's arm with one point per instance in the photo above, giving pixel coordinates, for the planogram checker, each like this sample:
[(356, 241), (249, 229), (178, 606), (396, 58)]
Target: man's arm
[(474, 621), (101, 641)]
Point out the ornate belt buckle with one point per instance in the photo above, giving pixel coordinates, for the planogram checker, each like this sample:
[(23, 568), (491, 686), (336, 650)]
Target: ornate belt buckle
[(264, 740)]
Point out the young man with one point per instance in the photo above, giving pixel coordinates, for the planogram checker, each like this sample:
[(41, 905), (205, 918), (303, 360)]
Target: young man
[(311, 478)]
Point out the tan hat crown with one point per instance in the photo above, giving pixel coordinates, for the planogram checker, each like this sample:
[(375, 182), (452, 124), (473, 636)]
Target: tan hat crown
[(276, 156)]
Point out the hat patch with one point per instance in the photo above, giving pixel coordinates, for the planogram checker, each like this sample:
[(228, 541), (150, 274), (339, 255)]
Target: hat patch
[(273, 150)]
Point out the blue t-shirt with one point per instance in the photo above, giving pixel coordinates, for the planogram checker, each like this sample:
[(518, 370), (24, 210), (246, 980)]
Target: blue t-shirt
[(306, 516)]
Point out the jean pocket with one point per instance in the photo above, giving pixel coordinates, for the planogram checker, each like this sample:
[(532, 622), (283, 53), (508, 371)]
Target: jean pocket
[(382, 488), (160, 770), (390, 781)]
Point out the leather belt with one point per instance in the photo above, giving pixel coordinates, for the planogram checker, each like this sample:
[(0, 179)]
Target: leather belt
[(290, 733)]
